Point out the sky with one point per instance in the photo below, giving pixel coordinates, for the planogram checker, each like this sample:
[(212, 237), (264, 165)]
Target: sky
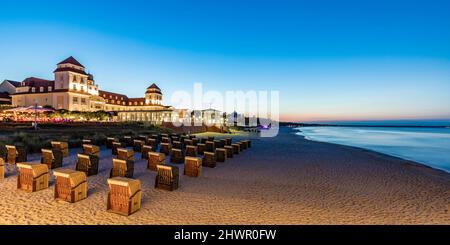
[(329, 60)]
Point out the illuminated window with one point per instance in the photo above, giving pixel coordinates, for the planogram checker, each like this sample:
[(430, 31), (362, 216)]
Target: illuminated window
[(33, 90), (41, 89), (49, 88)]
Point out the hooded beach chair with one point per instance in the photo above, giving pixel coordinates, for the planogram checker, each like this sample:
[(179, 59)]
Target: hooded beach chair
[(191, 151), (2, 169), (165, 148), (125, 154), (221, 154), (32, 177), (63, 146), (201, 148), (177, 156), (89, 149), (87, 164), (236, 148), (15, 154), (229, 150), (209, 159), (124, 196), (192, 166), (52, 158), (70, 185), (145, 150), (167, 177), (155, 159), (137, 145), (122, 168), (115, 146), (109, 142)]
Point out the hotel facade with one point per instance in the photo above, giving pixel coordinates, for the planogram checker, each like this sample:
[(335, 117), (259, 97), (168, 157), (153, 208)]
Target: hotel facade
[(75, 90)]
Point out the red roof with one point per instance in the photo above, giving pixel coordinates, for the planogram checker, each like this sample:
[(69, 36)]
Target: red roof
[(71, 60)]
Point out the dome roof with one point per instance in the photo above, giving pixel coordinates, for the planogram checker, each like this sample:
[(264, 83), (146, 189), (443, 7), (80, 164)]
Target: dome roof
[(153, 89)]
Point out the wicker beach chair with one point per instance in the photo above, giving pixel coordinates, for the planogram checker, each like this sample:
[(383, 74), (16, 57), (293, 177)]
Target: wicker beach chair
[(145, 150), (2, 169), (122, 168), (236, 148), (201, 148), (193, 166), (125, 154), (229, 141), (52, 158), (155, 159), (191, 151), (124, 196), (32, 177), (230, 151), (91, 150), (15, 154), (188, 142), (70, 185), (3, 152), (63, 146), (218, 144), (210, 138), (143, 138), (165, 148), (177, 156), (153, 143), (115, 146), (177, 145), (87, 164), (249, 143), (209, 159), (86, 141), (203, 140), (195, 141), (165, 140), (210, 146), (223, 143), (221, 154), (167, 177), (109, 142), (243, 145), (137, 145), (127, 141)]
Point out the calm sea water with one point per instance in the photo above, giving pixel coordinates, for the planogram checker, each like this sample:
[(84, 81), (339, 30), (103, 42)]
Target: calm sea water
[(429, 146)]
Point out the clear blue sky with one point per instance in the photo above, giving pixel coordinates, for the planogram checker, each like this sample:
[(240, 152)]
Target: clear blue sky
[(330, 60)]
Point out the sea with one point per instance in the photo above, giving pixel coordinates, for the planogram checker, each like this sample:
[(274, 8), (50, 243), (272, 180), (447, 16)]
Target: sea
[(427, 145)]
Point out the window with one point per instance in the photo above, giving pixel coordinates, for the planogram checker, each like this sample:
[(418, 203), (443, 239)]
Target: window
[(41, 89), (33, 89), (49, 88), (75, 100), (83, 101), (82, 88), (74, 87)]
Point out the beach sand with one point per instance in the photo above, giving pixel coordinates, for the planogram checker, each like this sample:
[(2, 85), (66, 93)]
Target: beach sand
[(282, 180)]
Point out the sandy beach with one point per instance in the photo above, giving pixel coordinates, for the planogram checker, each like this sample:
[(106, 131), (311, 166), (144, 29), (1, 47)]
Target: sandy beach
[(282, 180)]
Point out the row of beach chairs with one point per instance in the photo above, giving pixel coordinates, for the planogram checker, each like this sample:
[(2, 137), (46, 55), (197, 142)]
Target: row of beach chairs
[(125, 192)]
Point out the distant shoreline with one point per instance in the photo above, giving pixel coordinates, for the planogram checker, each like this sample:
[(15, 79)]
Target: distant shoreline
[(288, 124)]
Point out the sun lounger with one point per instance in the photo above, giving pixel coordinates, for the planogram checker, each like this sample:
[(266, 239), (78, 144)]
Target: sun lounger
[(15, 154), (209, 159), (167, 177), (87, 164), (63, 146), (155, 159), (122, 168), (124, 196), (193, 166), (221, 154), (32, 177), (177, 156), (70, 186), (52, 158)]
